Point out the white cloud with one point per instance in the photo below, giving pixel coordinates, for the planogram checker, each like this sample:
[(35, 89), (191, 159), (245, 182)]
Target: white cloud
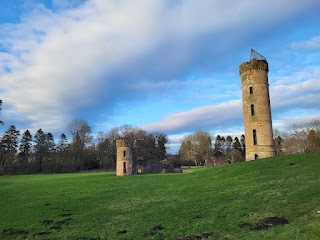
[(312, 44), (58, 63), (299, 90), (199, 118), (287, 122), (293, 98)]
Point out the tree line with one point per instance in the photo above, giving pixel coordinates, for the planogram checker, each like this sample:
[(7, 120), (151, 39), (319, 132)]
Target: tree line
[(299, 138), (40, 153), (200, 149)]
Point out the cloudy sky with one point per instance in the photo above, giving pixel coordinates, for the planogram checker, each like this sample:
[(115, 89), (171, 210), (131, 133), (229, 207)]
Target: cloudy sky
[(165, 65)]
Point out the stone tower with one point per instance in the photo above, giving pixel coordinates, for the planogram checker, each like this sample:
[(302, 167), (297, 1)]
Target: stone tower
[(124, 159), (256, 108)]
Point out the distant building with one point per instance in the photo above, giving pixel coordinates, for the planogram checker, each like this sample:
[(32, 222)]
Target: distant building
[(129, 163), (256, 108), (124, 159)]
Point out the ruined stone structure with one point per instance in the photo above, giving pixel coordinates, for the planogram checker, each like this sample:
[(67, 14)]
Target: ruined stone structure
[(124, 159), (256, 109), (130, 162)]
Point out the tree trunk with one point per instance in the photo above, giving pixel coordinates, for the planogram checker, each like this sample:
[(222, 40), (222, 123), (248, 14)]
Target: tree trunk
[(2, 164)]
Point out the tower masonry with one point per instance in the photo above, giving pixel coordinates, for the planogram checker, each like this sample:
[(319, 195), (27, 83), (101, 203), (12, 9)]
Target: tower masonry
[(124, 158), (256, 108)]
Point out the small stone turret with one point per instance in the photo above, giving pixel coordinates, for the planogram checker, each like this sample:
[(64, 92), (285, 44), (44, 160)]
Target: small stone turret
[(124, 159), (256, 109)]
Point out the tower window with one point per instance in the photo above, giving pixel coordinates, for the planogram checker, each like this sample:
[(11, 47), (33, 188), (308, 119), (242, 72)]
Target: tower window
[(254, 137), (251, 90), (124, 167), (252, 110), (124, 153)]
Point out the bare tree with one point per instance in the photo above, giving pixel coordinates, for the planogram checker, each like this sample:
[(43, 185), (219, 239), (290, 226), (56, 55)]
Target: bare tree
[(301, 138), (80, 131), (198, 148)]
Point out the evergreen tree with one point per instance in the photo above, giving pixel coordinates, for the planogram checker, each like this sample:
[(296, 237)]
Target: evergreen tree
[(25, 142), (236, 144), (8, 146), (51, 146), (218, 147), (228, 143), (160, 143), (10, 139), (63, 143), (237, 150), (25, 148), (243, 145), (40, 147)]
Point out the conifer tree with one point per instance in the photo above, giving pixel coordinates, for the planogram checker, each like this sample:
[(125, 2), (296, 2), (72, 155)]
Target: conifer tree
[(8, 146)]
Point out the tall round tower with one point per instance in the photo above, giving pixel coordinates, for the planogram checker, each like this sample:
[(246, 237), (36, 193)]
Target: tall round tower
[(256, 108), (124, 159)]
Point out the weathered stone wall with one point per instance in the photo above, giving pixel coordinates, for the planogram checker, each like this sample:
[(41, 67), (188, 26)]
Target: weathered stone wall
[(256, 109)]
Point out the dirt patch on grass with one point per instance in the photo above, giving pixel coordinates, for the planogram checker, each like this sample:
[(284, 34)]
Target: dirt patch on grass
[(64, 221), (46, 222), (65, 214), (56, 228), (265, 223), (14, 231), (41, 233), (205, 235), (122, 232), (154, 231)]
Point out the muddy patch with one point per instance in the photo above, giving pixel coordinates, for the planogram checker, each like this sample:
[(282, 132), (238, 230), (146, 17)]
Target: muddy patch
[(265, 223), (56, 228), (122, 232), (46, 222), (154, 230), (41, 233), (14, 232), (205, 235), (64, 221), (65, 214)]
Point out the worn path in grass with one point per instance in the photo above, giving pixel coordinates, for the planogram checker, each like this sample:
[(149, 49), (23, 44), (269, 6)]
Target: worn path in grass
[(276, 198)]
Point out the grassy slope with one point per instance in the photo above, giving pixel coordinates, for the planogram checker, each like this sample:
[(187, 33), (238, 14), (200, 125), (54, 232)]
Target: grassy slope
[(215, 201)]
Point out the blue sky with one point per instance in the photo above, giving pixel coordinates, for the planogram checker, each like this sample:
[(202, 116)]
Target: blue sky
[(165, 65)]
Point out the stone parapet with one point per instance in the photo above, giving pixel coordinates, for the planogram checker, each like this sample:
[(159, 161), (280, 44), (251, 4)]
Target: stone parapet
[(254, 64)]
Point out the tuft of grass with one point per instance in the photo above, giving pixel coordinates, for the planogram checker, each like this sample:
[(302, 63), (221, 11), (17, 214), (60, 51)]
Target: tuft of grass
[(275, 198)]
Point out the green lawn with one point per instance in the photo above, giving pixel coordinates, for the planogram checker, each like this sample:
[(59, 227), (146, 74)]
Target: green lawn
[(226, 202)]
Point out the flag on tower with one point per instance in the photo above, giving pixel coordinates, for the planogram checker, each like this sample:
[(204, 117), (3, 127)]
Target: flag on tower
[(256, 56)]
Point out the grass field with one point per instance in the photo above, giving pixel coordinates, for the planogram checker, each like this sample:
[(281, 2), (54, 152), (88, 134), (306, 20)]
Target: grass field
[(276, 198)]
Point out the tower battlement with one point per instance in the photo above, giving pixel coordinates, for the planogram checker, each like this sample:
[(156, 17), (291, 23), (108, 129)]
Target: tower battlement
[(254, 65), (121, 143)]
